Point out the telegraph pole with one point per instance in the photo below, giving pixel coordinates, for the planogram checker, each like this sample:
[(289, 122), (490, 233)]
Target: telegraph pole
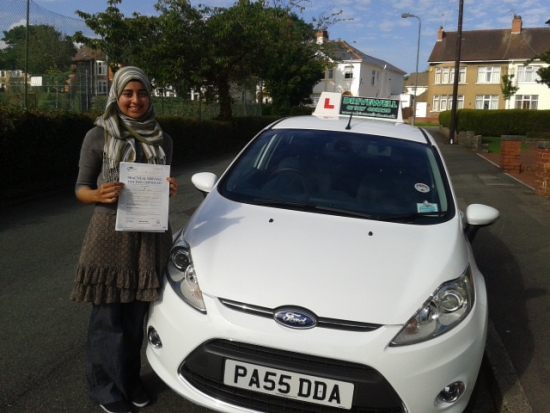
[(453, 127), (26, 56)]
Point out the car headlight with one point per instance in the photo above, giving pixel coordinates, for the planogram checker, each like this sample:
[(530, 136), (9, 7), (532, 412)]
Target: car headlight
[(182, 277), (444, 310)]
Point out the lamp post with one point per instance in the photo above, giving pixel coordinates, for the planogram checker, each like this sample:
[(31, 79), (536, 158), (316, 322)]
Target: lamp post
[(404, 16)]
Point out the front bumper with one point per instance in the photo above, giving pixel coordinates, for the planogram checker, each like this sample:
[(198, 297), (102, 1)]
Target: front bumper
[(387, 379)]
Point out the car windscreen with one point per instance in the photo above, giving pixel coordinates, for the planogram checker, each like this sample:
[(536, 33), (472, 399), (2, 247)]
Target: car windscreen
[(341, 173)]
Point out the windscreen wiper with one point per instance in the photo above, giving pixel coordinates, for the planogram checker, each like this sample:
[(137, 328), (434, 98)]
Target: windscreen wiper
[(402, 217), (310, 207)]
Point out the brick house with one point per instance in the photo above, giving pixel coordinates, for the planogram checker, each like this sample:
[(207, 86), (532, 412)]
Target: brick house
[(91, 77), (487, 55)]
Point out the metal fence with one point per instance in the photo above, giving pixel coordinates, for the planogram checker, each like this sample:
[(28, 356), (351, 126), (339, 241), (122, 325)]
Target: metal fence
[(82, 98), (81, 93)]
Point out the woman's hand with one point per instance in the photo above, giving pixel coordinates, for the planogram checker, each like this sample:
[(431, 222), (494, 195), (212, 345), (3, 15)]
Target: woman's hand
[(107, 193), (173, 186)]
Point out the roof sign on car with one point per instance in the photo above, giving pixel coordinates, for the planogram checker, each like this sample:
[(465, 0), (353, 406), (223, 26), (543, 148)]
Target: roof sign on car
[(335, 104)]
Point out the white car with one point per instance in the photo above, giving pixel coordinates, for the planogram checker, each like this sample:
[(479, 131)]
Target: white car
[(329, 269)]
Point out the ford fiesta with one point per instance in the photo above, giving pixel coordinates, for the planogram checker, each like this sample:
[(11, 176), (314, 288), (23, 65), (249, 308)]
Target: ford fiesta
[(327, 270)]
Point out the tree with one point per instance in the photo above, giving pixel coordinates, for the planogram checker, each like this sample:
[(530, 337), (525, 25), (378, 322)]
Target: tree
[(507, 86), (238, 36), (120, 38), (294, 62), (211, 49), (221, 47), (173, 52), (543, 72), (49, 50)]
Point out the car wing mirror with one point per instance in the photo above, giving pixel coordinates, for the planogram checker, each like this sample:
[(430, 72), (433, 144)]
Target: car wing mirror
[(204, 182), (478, 216)]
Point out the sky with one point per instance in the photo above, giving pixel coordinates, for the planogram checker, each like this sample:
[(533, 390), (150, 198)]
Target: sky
[(375, 27)]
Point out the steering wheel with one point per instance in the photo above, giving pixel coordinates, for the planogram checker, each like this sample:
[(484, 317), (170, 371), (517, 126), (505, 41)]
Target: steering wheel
[(289, 180)]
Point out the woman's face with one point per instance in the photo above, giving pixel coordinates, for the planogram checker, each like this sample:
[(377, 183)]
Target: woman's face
[(134, 100)]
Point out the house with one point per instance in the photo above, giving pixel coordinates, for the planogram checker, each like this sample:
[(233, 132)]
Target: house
[(357, 74), (418, 81), (11, 77), (486, 56), (91, 77), (421, 84)]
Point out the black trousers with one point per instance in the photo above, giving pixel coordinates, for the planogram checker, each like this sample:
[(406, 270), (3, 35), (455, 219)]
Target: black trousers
[(113, 353)]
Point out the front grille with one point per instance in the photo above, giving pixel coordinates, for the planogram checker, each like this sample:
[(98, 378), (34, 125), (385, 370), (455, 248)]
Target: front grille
[(323, 322), (204, 370)]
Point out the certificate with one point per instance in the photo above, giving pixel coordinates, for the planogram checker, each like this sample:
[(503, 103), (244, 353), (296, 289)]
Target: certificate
[(144, 201)]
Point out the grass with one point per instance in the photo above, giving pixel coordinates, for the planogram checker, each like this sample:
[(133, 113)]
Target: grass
[(422, 124), (494, 143)]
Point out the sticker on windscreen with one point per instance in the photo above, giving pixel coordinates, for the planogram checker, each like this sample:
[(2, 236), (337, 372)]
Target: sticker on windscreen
[(426, 207), (422, 188)]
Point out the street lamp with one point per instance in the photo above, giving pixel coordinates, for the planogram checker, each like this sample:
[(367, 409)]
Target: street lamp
[(404, 16)]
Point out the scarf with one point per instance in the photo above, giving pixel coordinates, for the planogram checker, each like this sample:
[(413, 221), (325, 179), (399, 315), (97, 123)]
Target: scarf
[(122, 132)]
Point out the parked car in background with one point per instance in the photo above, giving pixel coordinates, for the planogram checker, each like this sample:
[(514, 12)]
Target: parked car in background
[(329, 269)]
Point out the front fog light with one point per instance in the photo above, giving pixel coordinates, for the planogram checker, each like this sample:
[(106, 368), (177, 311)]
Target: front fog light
[(450, 393), (154, 338)]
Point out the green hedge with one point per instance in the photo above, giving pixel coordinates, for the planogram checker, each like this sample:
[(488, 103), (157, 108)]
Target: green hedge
[(500, 122), (40, 150)]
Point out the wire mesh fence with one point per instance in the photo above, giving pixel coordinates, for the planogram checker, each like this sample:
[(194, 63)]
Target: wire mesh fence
[(80, 96), (13, 13), (84, 88)]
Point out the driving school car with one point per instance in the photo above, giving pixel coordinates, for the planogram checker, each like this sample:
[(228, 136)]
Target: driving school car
[(328, 269)]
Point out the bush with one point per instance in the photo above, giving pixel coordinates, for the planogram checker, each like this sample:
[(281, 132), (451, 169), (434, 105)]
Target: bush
[(499, 122), (42, 149)]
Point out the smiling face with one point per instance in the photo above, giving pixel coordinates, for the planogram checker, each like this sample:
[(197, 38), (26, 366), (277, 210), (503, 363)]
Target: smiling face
[(134, 100)]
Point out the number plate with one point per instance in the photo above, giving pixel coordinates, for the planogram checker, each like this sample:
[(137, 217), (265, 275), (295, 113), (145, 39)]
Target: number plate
[(288, 384)]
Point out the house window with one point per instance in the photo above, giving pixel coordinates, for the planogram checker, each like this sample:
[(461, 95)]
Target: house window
[(101, 87), (486, 101), (348, 72), (527, 102), (445, 78), (101, 68), (461, 75), (528, 74), (435, 103), (445, 102), (330, 73), (460, 102), (373, 78), (437, 80), (488, 74)]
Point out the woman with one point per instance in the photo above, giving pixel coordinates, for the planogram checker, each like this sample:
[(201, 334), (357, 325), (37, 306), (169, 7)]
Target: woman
[(119, 272)]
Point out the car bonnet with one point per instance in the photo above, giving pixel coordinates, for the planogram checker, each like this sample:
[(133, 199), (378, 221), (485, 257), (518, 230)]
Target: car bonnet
[(337, 267)]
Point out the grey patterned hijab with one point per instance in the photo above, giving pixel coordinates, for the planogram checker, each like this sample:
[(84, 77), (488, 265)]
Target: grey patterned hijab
[(121, 131)]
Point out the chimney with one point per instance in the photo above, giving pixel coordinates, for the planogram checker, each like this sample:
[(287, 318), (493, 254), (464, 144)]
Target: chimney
[(440, 34), (322, 36), (516, 24)]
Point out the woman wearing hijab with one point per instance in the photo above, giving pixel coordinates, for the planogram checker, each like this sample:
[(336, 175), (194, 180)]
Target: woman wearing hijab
[(119, 272)]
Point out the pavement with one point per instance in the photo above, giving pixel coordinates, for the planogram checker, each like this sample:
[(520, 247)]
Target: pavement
[(513, 255), (528, 159)]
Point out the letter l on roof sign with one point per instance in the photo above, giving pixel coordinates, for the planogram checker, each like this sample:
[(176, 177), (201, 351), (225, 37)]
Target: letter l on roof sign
[(327, 104)]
